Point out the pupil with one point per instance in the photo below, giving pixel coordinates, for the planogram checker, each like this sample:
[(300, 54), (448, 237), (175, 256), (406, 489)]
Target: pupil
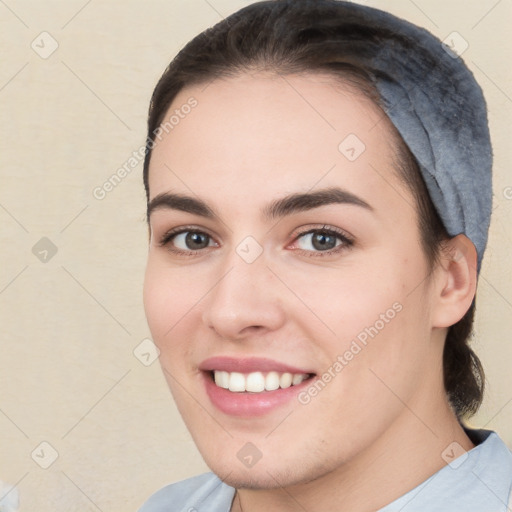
[(323, 242), (196, 240)]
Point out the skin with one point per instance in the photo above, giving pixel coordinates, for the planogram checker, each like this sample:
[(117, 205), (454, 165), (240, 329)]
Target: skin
[(379, 427)]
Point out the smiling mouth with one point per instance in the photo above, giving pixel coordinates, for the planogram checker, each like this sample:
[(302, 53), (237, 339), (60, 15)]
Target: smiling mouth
[(257, 382)]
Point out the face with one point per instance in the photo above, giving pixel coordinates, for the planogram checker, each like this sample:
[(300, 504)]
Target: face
[(285, 283)]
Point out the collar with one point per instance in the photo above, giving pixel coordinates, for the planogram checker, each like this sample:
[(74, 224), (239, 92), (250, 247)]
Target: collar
[(477, 480)]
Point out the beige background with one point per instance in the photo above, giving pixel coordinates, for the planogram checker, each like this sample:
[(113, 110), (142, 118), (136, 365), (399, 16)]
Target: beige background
[(69, 325)]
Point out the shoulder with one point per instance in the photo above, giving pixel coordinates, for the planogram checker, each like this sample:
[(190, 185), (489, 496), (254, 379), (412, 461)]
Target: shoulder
[(473, 481), (203, 492), (487, 481)]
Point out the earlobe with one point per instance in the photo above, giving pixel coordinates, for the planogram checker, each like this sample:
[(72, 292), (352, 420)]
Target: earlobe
[(456, 282)]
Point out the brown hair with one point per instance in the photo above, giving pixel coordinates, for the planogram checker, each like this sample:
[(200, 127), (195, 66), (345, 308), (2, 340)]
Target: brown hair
[(323, 36)]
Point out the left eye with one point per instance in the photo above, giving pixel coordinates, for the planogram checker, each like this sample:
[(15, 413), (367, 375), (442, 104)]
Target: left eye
[(321, 240)]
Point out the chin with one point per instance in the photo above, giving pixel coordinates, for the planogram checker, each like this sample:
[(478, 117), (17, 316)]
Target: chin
[(259, 480), (265, 475)]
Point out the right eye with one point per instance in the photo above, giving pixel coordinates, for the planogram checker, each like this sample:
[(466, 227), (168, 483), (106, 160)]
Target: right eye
[(187, 241)]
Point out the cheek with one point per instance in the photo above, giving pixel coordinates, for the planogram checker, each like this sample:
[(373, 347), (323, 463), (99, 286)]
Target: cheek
[(169, 300), (370, 324), (342, 302)]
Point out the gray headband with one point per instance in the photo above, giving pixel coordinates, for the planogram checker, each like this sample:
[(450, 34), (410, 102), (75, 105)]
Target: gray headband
[(439, 110)]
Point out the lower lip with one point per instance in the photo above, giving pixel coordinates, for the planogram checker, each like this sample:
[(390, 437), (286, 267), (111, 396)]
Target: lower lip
[(250, 404)]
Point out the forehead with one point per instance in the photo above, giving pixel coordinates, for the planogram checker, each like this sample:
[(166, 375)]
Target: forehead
[(272, 133)]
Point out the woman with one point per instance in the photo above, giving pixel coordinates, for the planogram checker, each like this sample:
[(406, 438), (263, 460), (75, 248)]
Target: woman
[(318, 176)]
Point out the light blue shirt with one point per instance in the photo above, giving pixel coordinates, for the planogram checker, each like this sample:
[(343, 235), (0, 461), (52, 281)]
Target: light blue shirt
[(477, 481)]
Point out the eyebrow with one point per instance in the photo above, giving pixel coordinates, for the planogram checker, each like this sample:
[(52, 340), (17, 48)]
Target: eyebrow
[(288, 205)]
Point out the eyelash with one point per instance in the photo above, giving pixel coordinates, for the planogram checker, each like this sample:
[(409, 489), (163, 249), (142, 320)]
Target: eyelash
[(346, 240)]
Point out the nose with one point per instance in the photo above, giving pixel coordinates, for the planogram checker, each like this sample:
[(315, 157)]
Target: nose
[(246, 299)]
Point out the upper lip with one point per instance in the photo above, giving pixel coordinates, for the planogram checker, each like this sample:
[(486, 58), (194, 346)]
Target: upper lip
[(248, 365)]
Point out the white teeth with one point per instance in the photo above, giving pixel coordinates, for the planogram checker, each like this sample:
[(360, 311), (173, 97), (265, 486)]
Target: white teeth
[(256, 382), (236, 382), (222, 379), (286, 380), (272, 381), (298, 378)]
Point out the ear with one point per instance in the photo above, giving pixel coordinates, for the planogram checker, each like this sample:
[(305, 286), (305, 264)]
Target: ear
[(455, 283)]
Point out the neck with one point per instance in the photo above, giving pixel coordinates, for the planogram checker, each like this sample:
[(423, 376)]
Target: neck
[(408, 453)]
